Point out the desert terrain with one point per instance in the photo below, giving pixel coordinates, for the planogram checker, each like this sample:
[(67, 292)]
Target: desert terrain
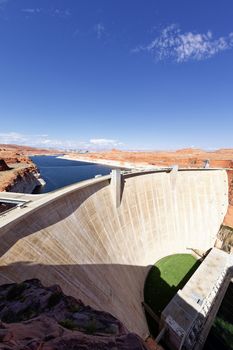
[(16, 166), (186, 158)]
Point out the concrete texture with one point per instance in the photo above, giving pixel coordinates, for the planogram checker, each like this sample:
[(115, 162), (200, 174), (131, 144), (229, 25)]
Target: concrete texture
[(186, 316), (78, 238)]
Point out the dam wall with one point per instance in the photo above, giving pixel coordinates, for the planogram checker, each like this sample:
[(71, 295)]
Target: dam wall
[(78, 238)]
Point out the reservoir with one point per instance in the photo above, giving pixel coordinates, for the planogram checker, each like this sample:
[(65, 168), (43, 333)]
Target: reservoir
[(58, 172)]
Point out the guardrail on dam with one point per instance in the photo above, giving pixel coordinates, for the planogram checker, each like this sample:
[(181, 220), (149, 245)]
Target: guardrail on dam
[(101, 252)]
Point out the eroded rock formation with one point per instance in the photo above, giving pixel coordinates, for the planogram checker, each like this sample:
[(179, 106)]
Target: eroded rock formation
[(37, 317), (225, 239), (17, 172), (3, 165)]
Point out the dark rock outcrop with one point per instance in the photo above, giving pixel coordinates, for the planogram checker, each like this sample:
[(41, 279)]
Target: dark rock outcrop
[(3, 165), (34, 317), (225, 239)]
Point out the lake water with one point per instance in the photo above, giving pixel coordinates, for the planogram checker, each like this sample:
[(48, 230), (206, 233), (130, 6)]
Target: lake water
[(58, 173)]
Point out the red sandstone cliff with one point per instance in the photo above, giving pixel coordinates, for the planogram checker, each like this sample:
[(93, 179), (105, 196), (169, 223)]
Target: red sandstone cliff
[(26, 150), (17, 172)]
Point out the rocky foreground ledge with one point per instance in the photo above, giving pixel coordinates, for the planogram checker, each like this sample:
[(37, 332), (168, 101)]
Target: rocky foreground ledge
[(34, 317)]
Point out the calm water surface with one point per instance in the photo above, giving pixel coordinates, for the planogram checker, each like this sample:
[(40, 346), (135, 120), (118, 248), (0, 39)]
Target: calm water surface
[(61, 172)]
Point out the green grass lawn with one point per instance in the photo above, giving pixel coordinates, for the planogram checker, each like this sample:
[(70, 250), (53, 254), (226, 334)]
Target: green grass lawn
[(165, 278)]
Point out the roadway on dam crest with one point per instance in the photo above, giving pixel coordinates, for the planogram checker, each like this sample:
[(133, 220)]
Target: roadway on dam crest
[(78, 238)]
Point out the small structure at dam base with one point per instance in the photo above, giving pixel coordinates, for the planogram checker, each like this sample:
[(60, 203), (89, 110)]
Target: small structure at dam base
[(188, 317)]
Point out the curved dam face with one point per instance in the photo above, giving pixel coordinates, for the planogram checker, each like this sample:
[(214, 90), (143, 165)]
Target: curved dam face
[(78, 238)]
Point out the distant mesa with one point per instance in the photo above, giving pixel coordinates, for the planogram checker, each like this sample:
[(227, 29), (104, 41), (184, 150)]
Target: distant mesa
[(190, 151)]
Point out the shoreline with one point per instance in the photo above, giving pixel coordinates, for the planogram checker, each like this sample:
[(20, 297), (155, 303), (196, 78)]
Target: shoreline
[(101, 162), (109, 162), (23, 180)]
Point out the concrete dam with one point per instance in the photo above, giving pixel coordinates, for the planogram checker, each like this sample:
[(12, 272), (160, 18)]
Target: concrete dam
[(98, 238)]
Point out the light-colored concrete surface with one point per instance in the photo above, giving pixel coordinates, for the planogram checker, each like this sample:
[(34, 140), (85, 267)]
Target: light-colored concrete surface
[(186, 316), (76, 237)]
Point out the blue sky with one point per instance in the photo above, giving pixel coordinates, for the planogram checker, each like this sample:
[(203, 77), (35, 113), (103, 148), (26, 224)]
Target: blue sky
[(131, 74)]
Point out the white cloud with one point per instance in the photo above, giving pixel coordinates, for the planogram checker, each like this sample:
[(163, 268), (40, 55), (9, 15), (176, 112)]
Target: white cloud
[(55, 12), (181, 47), (99, 29), (22, 139), (60, 12), (11, 137), (47, 142), (105, 142), (32, 10)]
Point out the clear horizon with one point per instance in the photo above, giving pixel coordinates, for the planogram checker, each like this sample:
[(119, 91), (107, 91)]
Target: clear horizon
[(116, 74)]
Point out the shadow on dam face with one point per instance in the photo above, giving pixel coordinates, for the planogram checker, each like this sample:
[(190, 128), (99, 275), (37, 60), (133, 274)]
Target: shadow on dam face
[(119, 273), (65, 207), (105, 284), (101, 254)]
